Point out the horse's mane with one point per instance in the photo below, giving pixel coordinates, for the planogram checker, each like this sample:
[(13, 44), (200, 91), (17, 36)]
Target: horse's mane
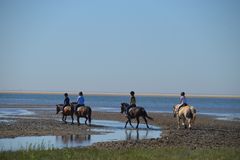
[(124, 104)]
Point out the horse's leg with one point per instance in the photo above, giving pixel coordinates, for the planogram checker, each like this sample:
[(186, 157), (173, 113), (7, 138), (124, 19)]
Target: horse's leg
[(130, 122), (72, 119), (178, 121), (126, 123), (86, 120), (184, 123), (78, 117), (64, 119), (189, 123), (137, 121), (89, 119), (146, 121)]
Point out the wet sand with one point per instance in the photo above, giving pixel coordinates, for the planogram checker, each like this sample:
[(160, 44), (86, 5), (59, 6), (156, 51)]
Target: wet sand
[(207, 132)]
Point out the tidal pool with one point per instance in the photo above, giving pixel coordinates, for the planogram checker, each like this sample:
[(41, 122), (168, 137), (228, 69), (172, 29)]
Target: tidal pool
[(12, 112), (111, 131)]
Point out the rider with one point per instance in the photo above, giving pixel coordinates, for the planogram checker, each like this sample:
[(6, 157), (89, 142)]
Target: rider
[(66, 101), (183, 101), (80, 100), (132, 101)]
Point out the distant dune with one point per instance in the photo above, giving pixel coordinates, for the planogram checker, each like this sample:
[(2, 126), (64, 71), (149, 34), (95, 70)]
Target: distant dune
[(120, 94)]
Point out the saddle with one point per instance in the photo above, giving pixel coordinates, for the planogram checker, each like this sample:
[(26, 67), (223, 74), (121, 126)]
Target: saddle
[(80, 108), (67, 108), (180, 107), (130, 111)]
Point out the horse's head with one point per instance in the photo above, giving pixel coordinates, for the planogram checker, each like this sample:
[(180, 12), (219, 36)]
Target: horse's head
[(124, 107), (174, 111), (58, 109), (73, 104)]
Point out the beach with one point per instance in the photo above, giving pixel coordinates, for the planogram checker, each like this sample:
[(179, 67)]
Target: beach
[(207, 132)]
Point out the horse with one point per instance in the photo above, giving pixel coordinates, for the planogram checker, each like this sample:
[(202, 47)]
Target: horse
[(83, 111), (186, 113), (68, 111), (134, 112)]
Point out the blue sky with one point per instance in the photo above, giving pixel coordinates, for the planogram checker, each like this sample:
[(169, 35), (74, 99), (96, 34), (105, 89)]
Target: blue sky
[(117, 46)]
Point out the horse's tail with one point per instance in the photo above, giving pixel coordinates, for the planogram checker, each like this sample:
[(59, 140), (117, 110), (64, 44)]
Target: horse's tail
[(147, 114), (189, 114), (194, 111)]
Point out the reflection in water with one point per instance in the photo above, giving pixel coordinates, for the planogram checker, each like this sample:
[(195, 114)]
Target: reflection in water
[(135, 135), (70, 139), (112, 131)]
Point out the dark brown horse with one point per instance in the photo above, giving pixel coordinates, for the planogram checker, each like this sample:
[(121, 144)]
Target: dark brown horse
[(134, 112), (68, 111), (83, 111)]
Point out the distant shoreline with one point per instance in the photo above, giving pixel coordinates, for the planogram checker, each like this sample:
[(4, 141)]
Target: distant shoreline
[(120, 94)]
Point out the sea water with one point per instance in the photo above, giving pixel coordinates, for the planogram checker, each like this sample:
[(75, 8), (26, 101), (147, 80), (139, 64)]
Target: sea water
[(224, 108)]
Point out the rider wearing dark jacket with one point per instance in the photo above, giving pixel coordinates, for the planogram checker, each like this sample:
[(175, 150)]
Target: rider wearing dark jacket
[(132, 101), (66, 101)]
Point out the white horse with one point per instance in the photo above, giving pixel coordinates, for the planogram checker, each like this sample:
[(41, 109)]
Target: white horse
[(185, 113)]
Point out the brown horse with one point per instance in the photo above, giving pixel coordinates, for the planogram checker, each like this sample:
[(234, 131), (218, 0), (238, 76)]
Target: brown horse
[(185, 113), (134, 112), (68, 111), (83, 111)]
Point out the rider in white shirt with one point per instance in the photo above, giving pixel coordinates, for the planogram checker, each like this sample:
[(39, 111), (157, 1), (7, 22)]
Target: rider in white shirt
[(183, 101)]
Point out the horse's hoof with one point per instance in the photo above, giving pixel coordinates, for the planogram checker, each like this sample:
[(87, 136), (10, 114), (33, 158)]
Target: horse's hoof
[(72, 123)]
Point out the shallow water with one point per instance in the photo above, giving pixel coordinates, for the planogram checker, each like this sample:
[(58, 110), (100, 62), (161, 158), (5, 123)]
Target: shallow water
[(112, 131), (7, 121), (11, 112)]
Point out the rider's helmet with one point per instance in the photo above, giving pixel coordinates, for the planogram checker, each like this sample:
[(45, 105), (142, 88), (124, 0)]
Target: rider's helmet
[(132, 93), (182, 93)]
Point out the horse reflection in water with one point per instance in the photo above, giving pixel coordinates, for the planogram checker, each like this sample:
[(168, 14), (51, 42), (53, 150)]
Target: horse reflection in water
[(130, 134), (68, 139)]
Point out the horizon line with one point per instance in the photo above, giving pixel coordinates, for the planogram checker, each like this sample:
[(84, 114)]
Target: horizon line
[(98, 93)]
